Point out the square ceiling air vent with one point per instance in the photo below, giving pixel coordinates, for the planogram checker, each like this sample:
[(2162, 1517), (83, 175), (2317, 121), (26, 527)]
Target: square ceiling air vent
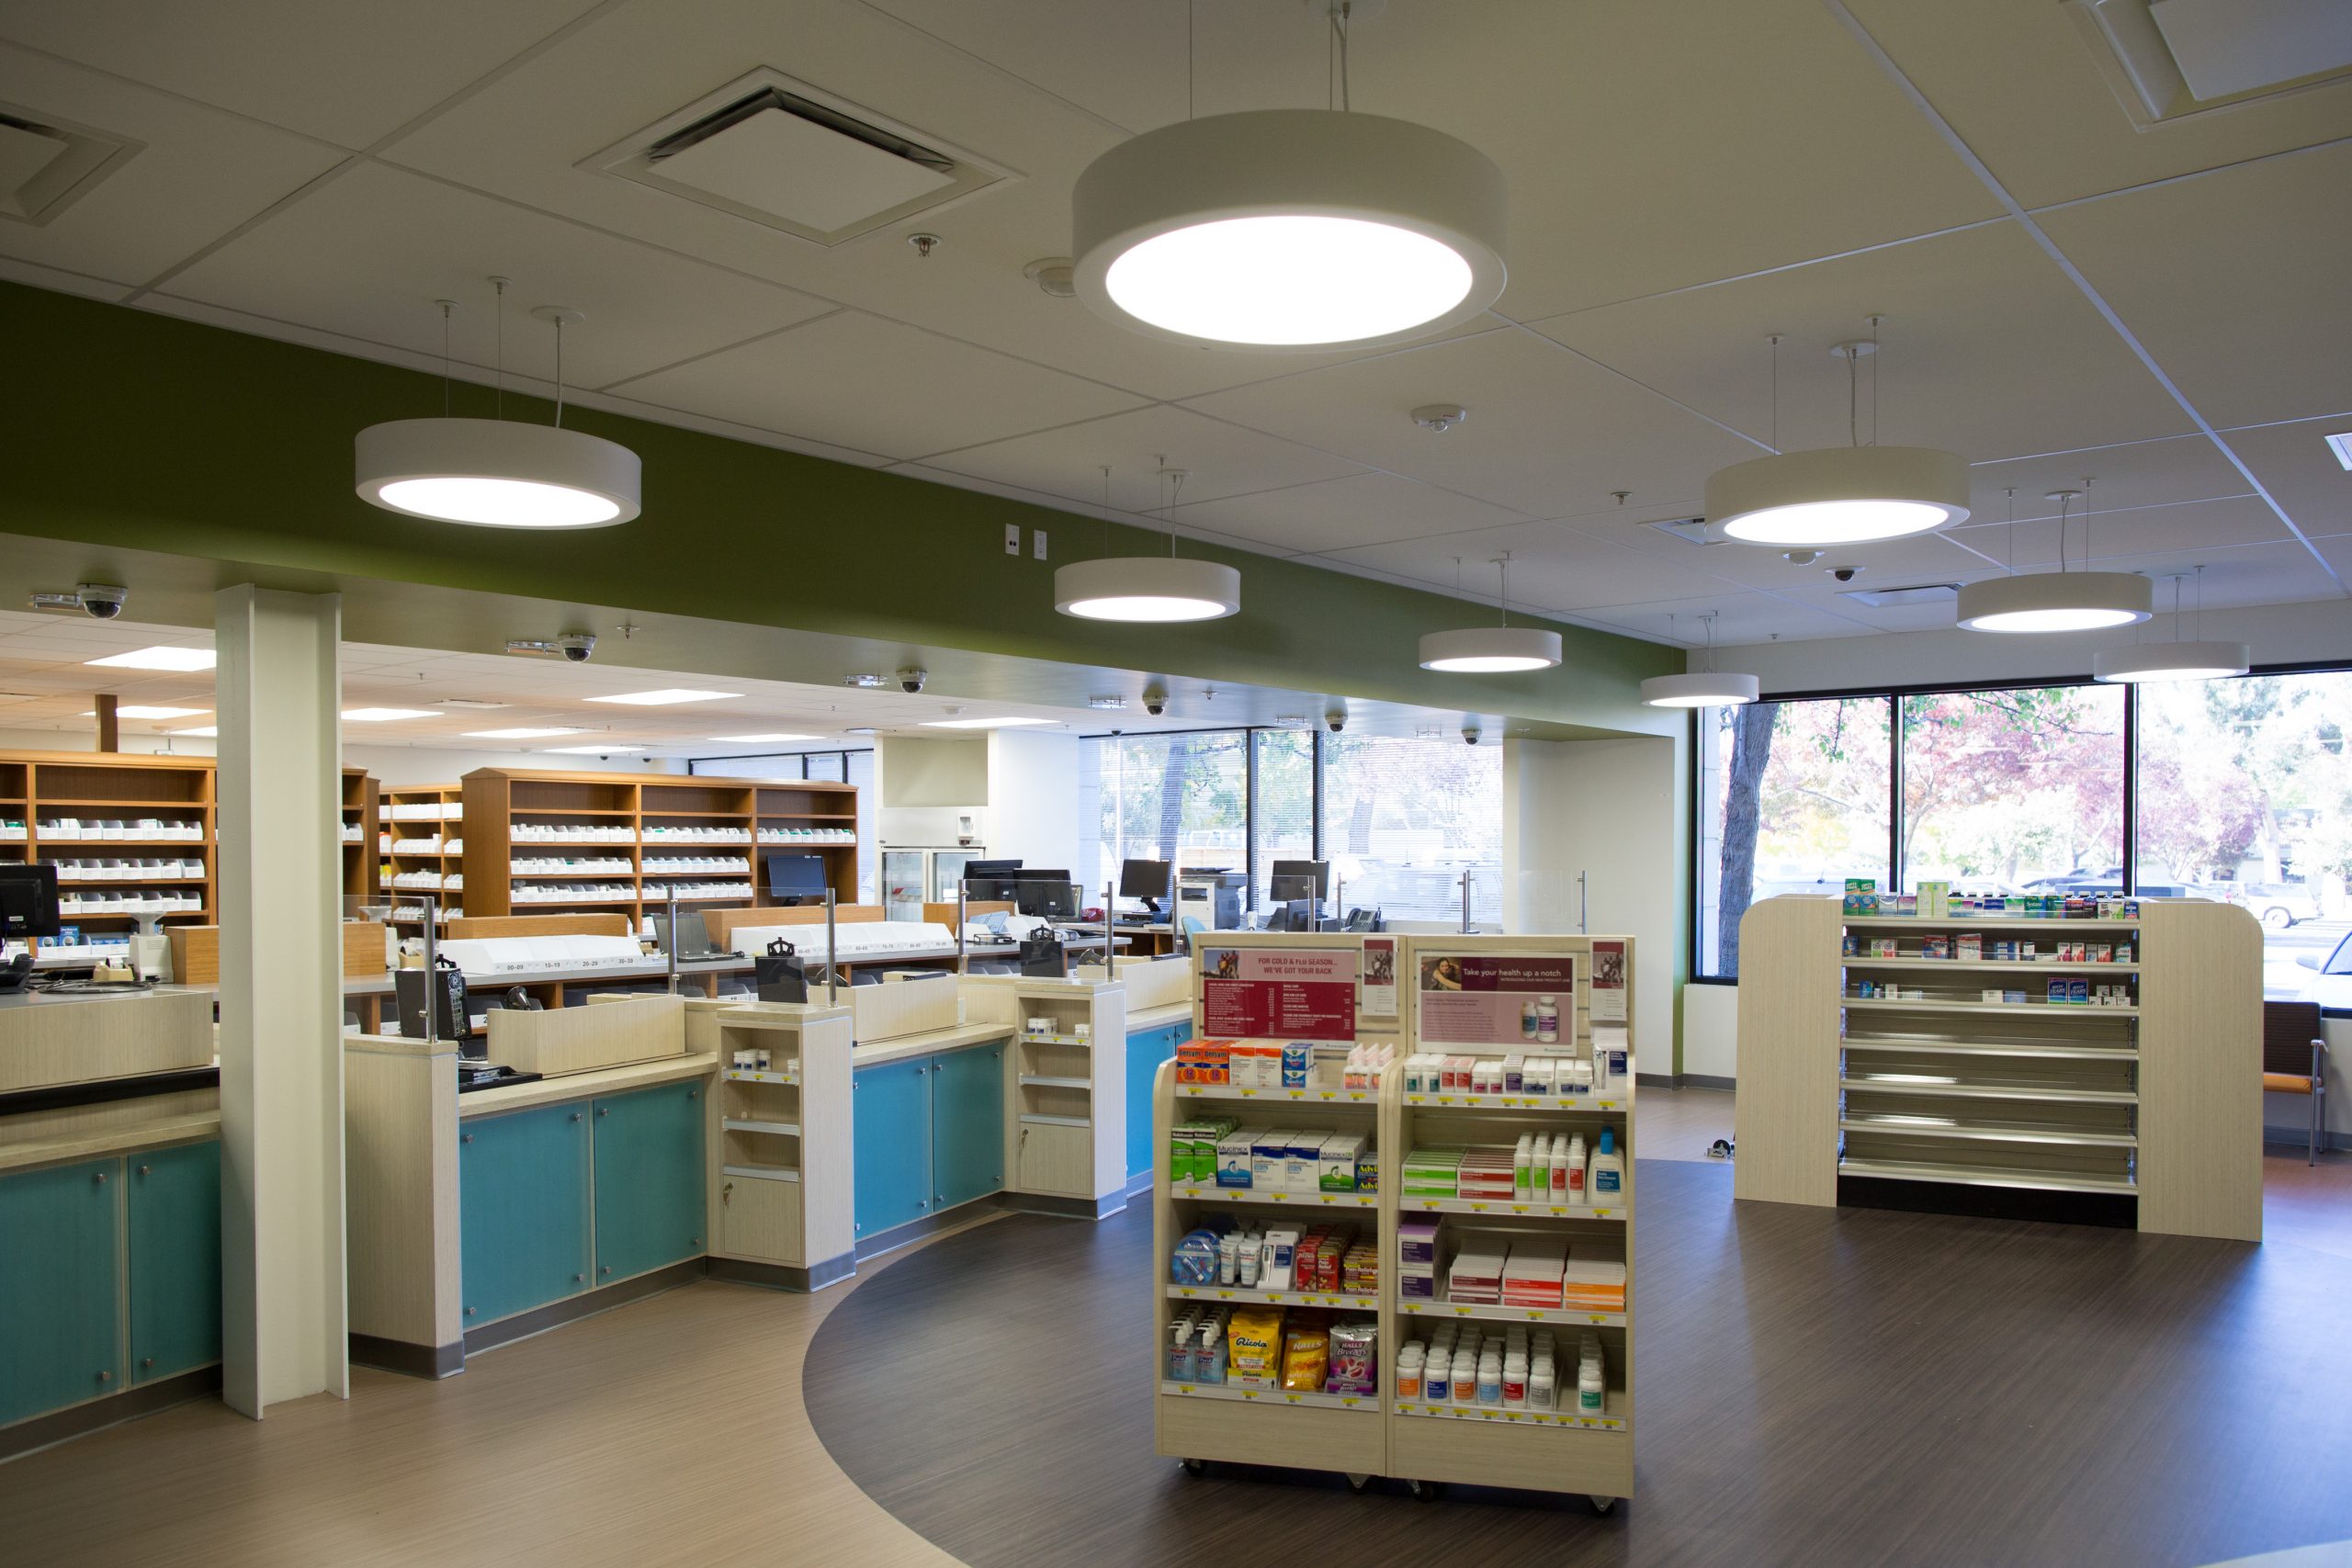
[(2169, 59), (1689, 530), (794, 157), (47, 164), (1887, 598)]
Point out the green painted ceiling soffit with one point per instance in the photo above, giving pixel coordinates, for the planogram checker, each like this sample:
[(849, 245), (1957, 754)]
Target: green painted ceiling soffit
[(144, 432)]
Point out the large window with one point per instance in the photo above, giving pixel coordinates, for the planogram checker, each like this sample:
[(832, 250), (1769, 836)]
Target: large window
[(1794, 797), (1169, 797), (2014, 791), (1403, 821), (1281, 806), (830, 767)]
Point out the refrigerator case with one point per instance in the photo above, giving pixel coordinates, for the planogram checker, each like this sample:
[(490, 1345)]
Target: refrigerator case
[(914, 876)]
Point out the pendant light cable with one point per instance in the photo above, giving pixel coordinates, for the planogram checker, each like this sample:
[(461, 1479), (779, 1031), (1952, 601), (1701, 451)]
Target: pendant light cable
[(1776, 391), (2009, 533), (2086, 523), (1853, 394), (499, 309), (1107, 509), (1876, 355), (558, 372), (1502, 573), (1339, 35)]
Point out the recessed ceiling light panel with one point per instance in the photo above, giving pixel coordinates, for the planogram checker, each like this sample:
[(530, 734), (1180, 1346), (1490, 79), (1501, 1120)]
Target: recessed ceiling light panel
[(136, 710), (179, 659), (666, 696), (759, 739), (524, 732), (981, 723), (598, 750), (385, 715)]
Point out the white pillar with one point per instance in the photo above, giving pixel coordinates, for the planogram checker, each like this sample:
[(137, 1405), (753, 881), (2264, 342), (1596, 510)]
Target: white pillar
[(283, 1333)]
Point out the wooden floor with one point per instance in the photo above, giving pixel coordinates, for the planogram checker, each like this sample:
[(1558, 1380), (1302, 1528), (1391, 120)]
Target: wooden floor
[(1818, 1387)]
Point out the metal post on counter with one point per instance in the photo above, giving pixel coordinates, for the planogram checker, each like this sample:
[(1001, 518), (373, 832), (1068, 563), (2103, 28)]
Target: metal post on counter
[(1583, 928), (1339, 898), (963, 954), (1110, 943), (1465, 901), (431, 968), (833, 954), (671, 946)]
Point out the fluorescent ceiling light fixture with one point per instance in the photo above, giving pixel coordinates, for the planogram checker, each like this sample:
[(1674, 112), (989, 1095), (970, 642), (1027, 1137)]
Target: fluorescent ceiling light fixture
[(1155, 589), (182, 658), (135, 710), (2055, 601), (666, 696), (496, 473), (589, 750), (980, 723), (762, 739), (1290, 229), (201, 729), (1839, 495), (2341, 444), (1491, 650), (525, 733), (2171, 661), (1701, 689), (383, 715)]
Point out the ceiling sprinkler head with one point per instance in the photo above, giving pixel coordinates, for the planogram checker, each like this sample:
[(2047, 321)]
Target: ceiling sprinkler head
[(923, 243), (1440, 417)]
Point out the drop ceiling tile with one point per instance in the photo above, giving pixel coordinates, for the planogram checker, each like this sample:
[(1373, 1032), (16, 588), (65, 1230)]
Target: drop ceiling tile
[(2022, 86), (367, 253), (2301, 471), (1739, 618), (1222, 459), (862, 381), (1930, 558), (199, 174), (1551, 568), (2246, 574), (2191, 525), (1987, 350), (2246, 310), (346, 73), (38, 276), (2145, 473), (1549, 434), (1339, 514)]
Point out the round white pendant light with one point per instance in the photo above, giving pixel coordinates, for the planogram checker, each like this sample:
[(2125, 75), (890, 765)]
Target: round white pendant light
[(1707, 688), (497, 473), (1839, 495), (1498, 649), (2175, 661), (1147, 589), (2059, 600)]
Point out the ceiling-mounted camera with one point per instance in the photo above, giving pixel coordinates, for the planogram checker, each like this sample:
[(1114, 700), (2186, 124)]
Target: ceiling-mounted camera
[(1469, 734), (1336, 719), (1845, 574), (912, 680), (1155, 701), (99, 601)]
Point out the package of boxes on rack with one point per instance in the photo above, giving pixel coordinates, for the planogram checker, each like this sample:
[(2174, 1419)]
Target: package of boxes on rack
[(1514, 1271), (1514, 1368), (1279, 1065), (1553, 1169), (77, 905), (1294, 1350), (1974, 947), (1936, 901), (574, 833), (676, 834), (1288, 1162), (1564, 1079), (129, 870), (1261, 1255), (806, 836), (426, 811), (119, 828)]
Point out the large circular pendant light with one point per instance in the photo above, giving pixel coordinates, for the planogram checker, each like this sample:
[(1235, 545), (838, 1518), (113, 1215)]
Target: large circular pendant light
[(1147, 589), (2175, 661), (1499, 649), (2059, 600), (498, 473), (1707, 688)]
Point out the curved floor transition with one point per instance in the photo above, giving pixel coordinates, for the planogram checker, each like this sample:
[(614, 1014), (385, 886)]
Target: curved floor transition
[(1820, 1386)]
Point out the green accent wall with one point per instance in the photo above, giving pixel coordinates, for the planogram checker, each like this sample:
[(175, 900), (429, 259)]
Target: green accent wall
[(138, 431)]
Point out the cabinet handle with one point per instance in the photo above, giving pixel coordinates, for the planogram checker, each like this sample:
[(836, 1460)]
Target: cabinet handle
[(148, 1361), (575, 1116), (470, 1312), (606, 1270), (577, 1277), (603, 1110), (143, 1170), (101, 1178), (693, 1094), (727, 1194), (468, 1138), (105, 1377), (693, 1241)]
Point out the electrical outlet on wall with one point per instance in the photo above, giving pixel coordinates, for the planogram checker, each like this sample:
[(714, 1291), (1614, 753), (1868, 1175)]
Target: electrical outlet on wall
[(1037, 543), (1013, 538)]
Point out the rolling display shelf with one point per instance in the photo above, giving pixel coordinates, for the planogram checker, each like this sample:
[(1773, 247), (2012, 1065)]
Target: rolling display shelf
[(1425, 1444), (2140, 1113)]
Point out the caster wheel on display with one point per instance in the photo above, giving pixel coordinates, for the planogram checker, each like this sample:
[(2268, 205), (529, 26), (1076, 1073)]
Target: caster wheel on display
[(1603, 1504), (1195, 1466), (1357, 1482), (1425, 1491)]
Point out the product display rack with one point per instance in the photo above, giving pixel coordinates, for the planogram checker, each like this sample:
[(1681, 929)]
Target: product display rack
[(420, 842), (362, 830), (639, 835), (1064, 1105), (99, 788), (2132, 1111), (1557, 1450)]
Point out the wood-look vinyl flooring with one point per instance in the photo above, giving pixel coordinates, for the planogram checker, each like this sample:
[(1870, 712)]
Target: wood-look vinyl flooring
[(1820, 1387)]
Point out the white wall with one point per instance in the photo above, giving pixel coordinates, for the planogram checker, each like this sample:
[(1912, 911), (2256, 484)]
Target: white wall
[(2276, 634), (1608, 808), (1711, 1031), (1032, 799)]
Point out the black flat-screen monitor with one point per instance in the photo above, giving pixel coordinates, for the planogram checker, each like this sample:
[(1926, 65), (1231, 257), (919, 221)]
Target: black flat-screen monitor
[(795, 879), (1048, 898), (1149, 879), (1295, 879), (989, 889), (991, 869), (28, 901)]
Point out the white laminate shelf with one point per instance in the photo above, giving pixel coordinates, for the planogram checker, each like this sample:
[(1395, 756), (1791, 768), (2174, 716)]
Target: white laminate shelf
[(1312, 1095), (1490, 1312), (762, 1172), (2060, 1009), (1985, 1131), (1994, 966), (1611, 1419), (1456, 1100), (1889, 1083), (1287, 1200), (745, 1125), (1044, 1120), (1365, 1404), (1511, 1208), (1989, 923), (748, 1075), (1987, 1176), (1055, 1039), (1915, 1046), (1038, 1080), (1273, 1298)]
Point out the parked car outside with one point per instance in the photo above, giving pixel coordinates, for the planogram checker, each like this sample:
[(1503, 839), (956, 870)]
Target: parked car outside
[(2277, 905)]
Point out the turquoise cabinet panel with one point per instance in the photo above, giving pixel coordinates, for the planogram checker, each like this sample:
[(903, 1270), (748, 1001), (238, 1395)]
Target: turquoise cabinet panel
[(61, 1332), (649, 1166), (967, 1125), (1145, 1051), (892, 1131), (173, 1199), (522, 1201)]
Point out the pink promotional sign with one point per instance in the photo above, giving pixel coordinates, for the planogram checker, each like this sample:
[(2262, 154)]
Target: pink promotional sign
[(1292, 993), (1496, 1000)]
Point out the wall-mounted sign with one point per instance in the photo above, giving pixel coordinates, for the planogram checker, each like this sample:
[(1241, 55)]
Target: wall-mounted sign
[(1499, 999)]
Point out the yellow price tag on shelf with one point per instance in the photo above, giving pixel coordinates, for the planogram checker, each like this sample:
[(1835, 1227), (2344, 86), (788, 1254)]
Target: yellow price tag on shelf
[(1463, 1312), (1478, 1208)]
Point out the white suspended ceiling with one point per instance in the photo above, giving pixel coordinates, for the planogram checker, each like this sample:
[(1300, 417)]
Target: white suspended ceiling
[(2066, 292)]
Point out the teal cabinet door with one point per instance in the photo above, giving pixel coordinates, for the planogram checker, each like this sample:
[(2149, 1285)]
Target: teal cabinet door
[(649, 1162), (173, 1197), (892, 1131), (967, 1125), (61, 1336), (1146, 1052), (523, 1205)]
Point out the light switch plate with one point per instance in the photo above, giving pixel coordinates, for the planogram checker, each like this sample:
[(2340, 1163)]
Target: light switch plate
[(1013, 538), (1037, 543)]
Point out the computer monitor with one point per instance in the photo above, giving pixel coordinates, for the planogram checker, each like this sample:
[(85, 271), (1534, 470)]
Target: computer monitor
[(1048, 898), (991, 869), (27, 901), (1294, 879), (795, 880), (989, 889), (1153, 881)]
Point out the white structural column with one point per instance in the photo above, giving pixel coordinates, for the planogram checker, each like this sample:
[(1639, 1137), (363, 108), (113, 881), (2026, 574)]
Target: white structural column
[(281, 997)]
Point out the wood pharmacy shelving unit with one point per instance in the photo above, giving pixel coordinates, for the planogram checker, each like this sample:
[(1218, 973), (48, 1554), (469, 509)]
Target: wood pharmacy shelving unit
[(2145, 1112), (1066, 1088), (1424, 1444), (635, 830), (419, 845), (121, 806), (362, 835)]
